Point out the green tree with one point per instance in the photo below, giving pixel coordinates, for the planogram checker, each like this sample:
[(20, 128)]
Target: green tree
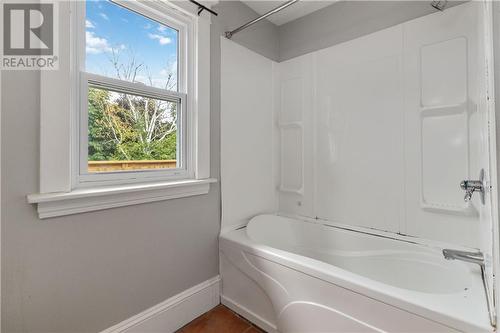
[(128, 127), (101, 145)]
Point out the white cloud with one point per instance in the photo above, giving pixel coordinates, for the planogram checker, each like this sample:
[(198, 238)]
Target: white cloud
[(89, 24), (163, 40), (161, 36), (95, 44), (104, 16), (148, 26)]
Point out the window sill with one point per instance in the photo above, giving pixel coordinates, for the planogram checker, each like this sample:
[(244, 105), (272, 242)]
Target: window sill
[(98, 198)]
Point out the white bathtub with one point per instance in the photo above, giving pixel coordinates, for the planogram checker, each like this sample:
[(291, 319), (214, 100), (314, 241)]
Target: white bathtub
[(289, 275)]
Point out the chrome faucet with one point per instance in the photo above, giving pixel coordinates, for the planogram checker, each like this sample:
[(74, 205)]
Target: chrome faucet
[(471, 186), (472, 257)]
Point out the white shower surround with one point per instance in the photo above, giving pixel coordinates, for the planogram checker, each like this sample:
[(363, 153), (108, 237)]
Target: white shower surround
[(372, 137), (359, 107)]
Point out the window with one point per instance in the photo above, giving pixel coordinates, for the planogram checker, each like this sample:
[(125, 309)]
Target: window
[(131, 121), (133, 103)]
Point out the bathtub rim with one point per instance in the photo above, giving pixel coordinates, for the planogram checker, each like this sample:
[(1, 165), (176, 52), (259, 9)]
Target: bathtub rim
[(430, 243), (237, 239)]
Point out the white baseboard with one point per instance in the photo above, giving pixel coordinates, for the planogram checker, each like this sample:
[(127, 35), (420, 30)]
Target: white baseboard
[(249, 315), (175, 312)]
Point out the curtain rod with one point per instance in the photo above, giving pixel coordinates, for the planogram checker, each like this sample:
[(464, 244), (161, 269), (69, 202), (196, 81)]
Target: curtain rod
[(201, 8), (230, 34)]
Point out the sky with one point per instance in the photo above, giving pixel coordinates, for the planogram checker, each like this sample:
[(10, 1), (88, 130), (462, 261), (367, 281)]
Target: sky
[(111, 27)]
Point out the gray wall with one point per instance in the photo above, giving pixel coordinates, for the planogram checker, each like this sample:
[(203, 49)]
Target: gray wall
[(344, 21), (262, 37), (86, 272)]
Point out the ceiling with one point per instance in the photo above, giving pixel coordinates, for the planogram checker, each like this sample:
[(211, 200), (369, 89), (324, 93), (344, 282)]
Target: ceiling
[(290, 13)]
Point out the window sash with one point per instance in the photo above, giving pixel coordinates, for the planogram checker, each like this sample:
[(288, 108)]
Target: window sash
[(134, 88), (152, 10), (126, 176), (82, 178)]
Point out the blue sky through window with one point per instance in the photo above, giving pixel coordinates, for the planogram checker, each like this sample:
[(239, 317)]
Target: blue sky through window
[(113, 32)]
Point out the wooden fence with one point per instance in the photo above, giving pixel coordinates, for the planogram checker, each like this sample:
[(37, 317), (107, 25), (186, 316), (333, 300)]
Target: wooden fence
[(107, 166)]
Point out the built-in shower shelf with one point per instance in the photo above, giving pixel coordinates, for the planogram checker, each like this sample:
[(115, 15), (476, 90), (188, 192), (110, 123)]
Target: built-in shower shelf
[(440, 110), (466, 210), (292, 157), (291, 190)]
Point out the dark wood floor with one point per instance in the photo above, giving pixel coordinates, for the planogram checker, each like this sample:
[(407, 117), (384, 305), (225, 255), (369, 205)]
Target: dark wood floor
[(220, 320)]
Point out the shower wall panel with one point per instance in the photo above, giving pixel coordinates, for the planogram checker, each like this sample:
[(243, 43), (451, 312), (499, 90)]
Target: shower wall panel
[(443, 129), (359, 132), (378, 132), (295, 111), (248, 151)]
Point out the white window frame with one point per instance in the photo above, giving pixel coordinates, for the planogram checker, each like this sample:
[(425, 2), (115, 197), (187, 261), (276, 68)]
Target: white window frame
[(85, 179), (63, 188)]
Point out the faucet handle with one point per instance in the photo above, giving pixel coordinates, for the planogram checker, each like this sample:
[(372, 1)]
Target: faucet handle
[(471, 186)]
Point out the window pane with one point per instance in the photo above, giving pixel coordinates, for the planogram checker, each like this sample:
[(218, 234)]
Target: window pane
[(125, 45), (130, 132)]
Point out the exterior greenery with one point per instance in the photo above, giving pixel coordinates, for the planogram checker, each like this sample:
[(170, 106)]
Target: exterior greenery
[(128, 127)]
